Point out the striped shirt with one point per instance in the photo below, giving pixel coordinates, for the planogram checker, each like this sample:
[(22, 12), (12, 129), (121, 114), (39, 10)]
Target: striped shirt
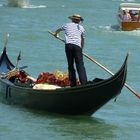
[(73, 33)]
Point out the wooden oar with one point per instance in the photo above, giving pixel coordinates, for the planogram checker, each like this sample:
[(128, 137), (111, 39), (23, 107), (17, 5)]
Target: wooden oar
[(101, 66), (57, 36)]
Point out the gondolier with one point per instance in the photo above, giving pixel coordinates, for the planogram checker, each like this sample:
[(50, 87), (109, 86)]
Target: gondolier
[(74, 43)]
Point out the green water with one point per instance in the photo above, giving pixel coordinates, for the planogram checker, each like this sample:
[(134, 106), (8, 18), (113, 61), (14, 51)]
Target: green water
[(41, 52)]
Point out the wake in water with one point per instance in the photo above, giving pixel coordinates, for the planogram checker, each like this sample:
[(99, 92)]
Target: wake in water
[(110, 28), (116, 29), (132, 33), (125, 0), (22, 4), (35, 6)]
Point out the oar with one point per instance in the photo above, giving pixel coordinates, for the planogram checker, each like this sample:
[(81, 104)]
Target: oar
[(100, 65), (57, 36)]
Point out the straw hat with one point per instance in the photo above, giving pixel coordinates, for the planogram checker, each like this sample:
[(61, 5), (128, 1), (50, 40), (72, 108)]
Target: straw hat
[(77, 17)]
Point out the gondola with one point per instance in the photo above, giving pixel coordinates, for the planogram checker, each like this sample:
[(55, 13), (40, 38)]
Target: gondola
[(79, 100)]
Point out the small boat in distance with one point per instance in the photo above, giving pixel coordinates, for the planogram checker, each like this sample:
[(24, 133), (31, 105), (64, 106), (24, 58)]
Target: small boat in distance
[(129, 16), (18, 3)]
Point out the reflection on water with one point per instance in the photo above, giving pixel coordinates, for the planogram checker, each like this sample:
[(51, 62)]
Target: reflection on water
[(34, 124), (76, 127)]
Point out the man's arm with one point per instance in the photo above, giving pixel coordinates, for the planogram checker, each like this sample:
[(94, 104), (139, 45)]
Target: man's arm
[(82, 41), (57, 32)]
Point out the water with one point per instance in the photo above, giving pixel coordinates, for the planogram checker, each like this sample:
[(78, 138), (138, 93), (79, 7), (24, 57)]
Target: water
[(28, 28)]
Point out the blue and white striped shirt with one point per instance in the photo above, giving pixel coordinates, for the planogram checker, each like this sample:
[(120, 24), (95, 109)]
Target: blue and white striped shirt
[(73, 33)]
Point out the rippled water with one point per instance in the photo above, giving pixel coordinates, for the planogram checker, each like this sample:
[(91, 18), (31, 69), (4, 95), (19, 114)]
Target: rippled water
[(28, 28)]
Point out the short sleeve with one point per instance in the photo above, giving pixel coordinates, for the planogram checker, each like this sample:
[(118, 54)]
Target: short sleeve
[(63, 27), (83, 31)]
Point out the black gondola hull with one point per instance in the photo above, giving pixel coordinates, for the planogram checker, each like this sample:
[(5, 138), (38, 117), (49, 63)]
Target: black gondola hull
[(81, 100)]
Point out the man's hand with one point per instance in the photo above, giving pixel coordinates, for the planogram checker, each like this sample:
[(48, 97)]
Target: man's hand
[(56, 35)]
